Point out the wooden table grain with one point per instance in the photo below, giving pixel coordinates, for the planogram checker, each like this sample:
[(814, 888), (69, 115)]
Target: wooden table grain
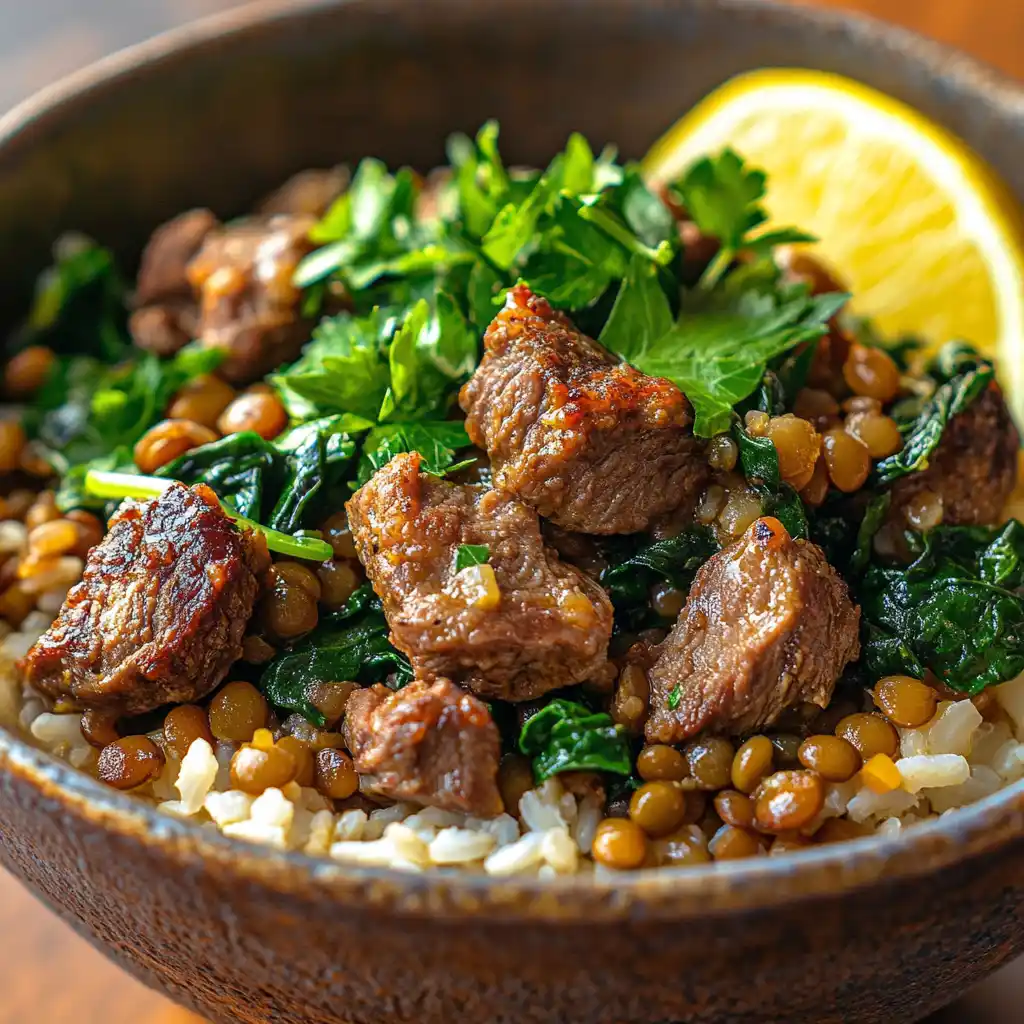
[(48, 975)]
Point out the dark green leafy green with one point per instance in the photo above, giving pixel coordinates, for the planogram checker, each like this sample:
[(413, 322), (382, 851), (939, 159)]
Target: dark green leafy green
[(760, 463), (964, 377), (471, 554), (875, 515), (957, 610), (348, 644), (565, 736), (436, 442)]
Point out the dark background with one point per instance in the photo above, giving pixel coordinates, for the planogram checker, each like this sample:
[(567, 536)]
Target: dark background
[(49, 975)]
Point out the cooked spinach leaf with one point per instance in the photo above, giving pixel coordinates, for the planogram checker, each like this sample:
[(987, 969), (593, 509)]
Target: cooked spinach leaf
[(565, 736), (350, 644), (436, 442), (760, 463), (957, 610), (922, 422)]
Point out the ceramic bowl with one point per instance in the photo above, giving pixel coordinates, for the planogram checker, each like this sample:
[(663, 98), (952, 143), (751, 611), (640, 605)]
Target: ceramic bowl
[(218, 113)]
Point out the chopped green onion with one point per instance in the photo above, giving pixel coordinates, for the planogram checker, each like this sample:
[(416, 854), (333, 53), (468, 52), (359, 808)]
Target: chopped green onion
[(126, 485)]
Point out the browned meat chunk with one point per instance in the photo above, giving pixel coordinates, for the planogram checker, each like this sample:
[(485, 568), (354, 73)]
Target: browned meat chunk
[(768, 624), (590, 442), (166, 317), (248, 305), (159, 614), (308, 192), (429, 743), (974, 468), (521, 625)]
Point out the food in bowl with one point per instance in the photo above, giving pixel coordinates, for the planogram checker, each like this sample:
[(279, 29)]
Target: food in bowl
[(507, 520)]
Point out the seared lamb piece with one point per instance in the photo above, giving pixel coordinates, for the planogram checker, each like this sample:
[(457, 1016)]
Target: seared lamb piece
[(166, 317), (159, 614), (248, 305), (974, 468), (768, 624), (308, 192), (590, 442), (514, 628), (429, 743)]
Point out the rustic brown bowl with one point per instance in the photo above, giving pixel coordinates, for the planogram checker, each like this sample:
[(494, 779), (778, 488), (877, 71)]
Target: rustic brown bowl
[(216, 114)]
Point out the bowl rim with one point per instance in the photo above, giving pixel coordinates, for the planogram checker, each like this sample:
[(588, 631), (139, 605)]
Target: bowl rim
[(693, 892)]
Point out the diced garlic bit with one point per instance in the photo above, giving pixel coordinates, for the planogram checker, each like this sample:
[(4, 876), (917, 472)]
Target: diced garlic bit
[(477, 586), (199, 769), (460, 846), (523, 854), (1011, 696), (953, 728), (930, 771), (228, 808)]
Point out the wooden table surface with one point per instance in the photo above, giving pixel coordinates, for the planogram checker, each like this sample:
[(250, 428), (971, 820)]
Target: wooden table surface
[(48, 974)]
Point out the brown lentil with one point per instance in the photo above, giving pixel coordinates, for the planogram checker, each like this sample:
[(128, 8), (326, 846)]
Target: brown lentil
[(905, 701), (183, 726), (788, 800), (629, 705), (735, 808), (256, 650), (338, 582), (57, 537), (815, 491), (330, 698), (167, 440), (752, 762), (289, 608), (659, 761), (923, 510), (257, 769), (722, 452), (847, 460), (28, 371), (869, 733), (877, 432), (303, 757), (202, 400), (620, 843), (817, 407), (237, 711), (742, 507), (658, 808), (731, 843), (861, 403), (261, 413), (838, 830), (295, 574), (335, 774), (336, 532), (756, 422), (710, 505), (798, 445), (683, 847), (789, 842), (99, 729), (89, 530), (832, 757), (710, 761), (667, 601), (871, 372), (12, 441), (18, 502), (787, 749), (42, 510), (130, 762)]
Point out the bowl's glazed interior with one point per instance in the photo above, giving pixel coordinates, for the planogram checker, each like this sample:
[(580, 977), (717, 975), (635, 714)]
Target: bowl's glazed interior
[(216, 115)]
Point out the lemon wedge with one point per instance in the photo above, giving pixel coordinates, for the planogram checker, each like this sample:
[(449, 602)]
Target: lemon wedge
[(917, 226)]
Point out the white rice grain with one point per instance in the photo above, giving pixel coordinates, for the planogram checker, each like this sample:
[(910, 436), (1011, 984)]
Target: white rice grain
[(228, 808), (952, 729), (867, 805), (983, 781), (931, 771), (539, 807), (196, 778), (522, 855), (559, 851), (321, 829), (587, 819), (1008, 761), (460, 846), (257, 832), (1011, 696), (351, 826), (407, 845), (382, 817)]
